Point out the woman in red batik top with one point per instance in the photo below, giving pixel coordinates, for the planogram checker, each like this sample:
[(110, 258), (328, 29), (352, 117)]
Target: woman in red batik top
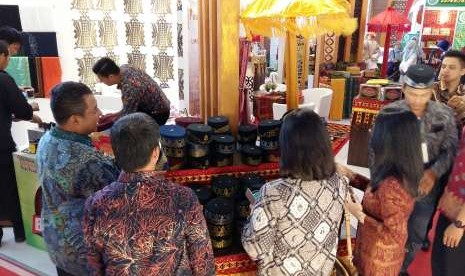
[(388, 201)]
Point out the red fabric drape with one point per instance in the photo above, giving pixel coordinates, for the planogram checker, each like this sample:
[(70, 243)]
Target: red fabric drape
[(51, 73), (244, 49)]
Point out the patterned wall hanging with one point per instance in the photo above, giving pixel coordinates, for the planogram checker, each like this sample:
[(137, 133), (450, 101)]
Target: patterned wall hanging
[(133, 7), (107, 33), (85, 69), (181, 83), (180, 39), (300, 62), (113, 56), (161, 6), (137, 60), (85, 32), (82, 5), (142, 33), (162, 34), (135, 33), (164, 68), (106, 5), (329, 48)]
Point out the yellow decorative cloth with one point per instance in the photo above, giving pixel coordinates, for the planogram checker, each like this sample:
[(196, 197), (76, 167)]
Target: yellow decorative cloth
[(308, 18)]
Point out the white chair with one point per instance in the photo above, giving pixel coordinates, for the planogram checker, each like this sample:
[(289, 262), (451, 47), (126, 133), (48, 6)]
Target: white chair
[(280, 109), (309, 105), (322, 99)]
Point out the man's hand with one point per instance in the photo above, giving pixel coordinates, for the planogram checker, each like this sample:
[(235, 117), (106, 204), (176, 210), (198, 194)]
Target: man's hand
[(427, 182), (452, 236), (457, 103), (36, 119), (35, 106)]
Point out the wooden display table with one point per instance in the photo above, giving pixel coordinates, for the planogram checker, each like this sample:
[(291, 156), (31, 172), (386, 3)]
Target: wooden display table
[(263, 104)]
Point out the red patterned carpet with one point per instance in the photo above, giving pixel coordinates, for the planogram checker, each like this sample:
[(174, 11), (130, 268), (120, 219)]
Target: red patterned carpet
[(339, 135), (421, 266)]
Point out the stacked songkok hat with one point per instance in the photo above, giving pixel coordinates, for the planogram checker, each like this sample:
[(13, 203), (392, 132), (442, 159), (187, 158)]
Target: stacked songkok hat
[(203, 192), (254, 182), (220, 124), (186, 121), (198, 145), (219, 213), (251, 155), (247, 135), (223, 147), (173, 142), (268, 131), (225, 186)]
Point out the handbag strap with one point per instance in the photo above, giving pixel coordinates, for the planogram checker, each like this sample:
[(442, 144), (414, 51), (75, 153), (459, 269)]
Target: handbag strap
[(347, 223)]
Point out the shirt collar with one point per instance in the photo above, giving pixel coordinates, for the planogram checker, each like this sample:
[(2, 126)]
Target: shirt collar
[(145, 176), (71, 136)]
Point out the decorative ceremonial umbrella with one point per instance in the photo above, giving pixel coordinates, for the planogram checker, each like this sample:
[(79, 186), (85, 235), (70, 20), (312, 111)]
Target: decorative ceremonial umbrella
[(308, 18), (388, 21)]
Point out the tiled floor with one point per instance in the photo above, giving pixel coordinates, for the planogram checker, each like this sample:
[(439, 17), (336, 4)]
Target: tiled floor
[(40, 261)]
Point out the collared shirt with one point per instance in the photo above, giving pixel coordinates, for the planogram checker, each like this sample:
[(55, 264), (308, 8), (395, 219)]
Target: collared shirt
[(70, 170), (143, 224), (140, 93), (442, 94), (439, 132), (294, 225)]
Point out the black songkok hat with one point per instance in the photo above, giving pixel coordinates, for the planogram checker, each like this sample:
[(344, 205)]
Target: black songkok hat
[(419, 76)]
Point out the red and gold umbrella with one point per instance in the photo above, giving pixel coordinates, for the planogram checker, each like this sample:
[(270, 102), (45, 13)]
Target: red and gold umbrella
[(388, 21)]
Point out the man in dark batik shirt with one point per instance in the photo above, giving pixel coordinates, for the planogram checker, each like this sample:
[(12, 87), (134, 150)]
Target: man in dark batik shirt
[(139, 92), (70, 169), (142, 224)]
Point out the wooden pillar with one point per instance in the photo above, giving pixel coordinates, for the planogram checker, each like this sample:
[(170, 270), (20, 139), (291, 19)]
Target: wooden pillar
[(362, 26), (292, 92), (219, 59), (348, 44)]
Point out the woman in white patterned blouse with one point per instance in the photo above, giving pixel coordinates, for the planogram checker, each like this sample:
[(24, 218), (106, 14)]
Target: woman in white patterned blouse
[(294, 224)]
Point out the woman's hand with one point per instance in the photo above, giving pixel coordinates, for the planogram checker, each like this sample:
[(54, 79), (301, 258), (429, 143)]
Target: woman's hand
[(452, 236), (355, 209), (345, 171)]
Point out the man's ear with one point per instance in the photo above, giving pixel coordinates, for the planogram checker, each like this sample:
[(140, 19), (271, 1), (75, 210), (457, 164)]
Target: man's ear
[(74, 119), (156, 154)]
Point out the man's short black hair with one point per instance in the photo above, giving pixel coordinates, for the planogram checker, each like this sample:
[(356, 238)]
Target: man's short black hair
[(4, 48), (10, 35), (456, 54), (68, 99), (133, 139), (105, 67)]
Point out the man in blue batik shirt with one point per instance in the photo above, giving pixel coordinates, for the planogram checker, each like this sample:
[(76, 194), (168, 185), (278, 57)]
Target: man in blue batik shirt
[(70, 170)]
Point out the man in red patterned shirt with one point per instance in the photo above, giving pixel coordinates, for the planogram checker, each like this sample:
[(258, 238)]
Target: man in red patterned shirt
[(139, 92), (143, 224)]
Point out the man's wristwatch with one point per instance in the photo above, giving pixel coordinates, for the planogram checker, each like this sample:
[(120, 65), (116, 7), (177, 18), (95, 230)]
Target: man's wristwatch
[(459, 224)]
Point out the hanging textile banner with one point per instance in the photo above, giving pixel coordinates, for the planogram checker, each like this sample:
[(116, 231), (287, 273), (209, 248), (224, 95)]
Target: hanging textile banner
[(459, 38), (445, 3)]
